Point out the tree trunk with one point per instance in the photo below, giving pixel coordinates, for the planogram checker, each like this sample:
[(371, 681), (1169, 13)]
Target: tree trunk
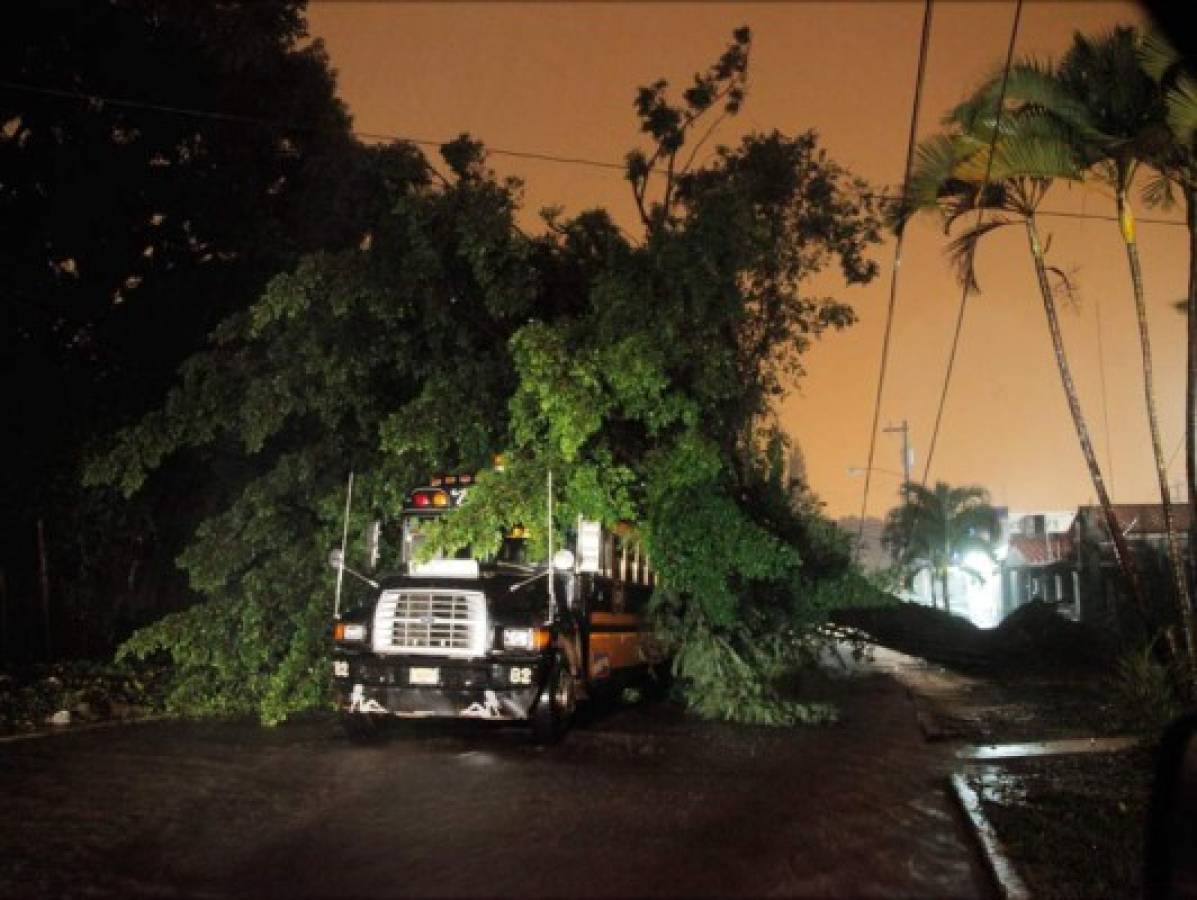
[(943, 580), (43, 576), (1126, 562), (1126, 221), (3, 618)]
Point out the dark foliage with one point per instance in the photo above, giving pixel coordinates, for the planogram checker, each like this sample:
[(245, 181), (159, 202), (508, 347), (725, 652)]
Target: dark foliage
[(159, 161)]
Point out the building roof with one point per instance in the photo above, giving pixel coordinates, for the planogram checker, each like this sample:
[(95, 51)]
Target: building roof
[(1038, 550), (1138, 519)]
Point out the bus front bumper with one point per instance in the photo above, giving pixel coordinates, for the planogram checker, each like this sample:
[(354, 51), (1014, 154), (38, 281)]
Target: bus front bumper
[(449, 688)]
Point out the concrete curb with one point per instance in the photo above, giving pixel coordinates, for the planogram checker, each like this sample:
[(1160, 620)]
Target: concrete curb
[(59, 730), (1005, 876)]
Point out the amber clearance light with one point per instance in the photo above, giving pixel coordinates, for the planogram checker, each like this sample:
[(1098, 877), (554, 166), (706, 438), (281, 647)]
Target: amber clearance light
[(349, 631)]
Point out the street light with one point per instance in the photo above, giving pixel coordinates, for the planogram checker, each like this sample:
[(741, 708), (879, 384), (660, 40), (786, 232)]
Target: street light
[(857, 471), (903, 477)]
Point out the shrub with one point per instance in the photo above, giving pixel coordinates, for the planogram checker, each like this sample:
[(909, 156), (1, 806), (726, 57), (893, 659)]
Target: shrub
[(1142, 689)]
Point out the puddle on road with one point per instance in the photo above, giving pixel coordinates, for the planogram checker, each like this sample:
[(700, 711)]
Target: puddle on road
[(477, 759), (1047, 748)]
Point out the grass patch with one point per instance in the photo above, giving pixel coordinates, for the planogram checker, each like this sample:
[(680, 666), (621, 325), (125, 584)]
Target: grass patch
[(1073, 825)]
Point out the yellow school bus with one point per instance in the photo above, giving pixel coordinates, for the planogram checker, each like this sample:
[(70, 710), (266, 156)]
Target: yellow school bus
[(497, 638)]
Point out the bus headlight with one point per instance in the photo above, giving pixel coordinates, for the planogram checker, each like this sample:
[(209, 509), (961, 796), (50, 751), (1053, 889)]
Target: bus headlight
[(525, 638)]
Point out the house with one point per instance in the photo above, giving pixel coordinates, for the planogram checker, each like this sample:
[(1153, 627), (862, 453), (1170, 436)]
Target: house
[(1038, 563), (1094, 560), (1061, 557), (1068, 559)]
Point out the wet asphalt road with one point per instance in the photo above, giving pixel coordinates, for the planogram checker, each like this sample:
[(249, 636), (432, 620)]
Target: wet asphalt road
[(642, 802)]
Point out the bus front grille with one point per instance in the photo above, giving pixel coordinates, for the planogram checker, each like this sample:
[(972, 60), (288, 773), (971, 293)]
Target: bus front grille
[(431, 622)]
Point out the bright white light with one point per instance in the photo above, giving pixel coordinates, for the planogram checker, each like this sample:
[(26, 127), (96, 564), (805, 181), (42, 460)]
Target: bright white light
[(979, 562), (983, 596)]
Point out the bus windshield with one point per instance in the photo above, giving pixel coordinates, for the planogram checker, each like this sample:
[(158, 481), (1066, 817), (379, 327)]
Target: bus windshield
[(512, 550)]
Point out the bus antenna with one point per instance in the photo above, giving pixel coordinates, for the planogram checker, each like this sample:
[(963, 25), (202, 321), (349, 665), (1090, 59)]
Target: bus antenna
[(344, 542)]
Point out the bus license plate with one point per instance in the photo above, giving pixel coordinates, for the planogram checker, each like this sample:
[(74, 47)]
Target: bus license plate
[(424, 676)]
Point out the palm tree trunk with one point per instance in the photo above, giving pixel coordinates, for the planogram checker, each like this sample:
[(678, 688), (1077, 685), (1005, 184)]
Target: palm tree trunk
[(1191, 384), (1126, 562), (1126, 222)]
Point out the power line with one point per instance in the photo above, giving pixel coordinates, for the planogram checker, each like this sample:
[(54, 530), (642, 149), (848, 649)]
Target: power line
[(534, 155), (1059, 213), (947, 379), (211, 115), (911, 140)]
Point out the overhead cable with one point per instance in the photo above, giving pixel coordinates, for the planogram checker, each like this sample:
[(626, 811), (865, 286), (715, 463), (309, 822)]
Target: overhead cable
[(964, 292), (533, 155), (911, 140), (266, 123)]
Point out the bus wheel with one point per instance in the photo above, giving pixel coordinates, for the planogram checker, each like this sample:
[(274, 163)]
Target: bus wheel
[(361, 728), (658, 682), (555, 707)]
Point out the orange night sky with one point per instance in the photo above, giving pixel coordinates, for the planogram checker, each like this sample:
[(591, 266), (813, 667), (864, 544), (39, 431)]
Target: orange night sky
[(560, 78)]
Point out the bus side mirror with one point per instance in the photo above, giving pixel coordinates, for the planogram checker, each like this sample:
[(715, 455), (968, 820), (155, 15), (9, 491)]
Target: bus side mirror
[(373, 541)]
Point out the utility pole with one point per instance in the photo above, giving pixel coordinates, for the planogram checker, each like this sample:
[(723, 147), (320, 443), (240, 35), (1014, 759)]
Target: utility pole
[(907, 454)]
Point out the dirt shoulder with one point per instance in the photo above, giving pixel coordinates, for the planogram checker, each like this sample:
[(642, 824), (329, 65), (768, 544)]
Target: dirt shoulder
[(1038, 676), (1028, 710)]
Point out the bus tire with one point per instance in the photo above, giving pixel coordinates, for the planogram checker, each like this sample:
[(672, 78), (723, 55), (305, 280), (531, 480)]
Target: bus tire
[(554, 711), (658, 682), (361, 728)]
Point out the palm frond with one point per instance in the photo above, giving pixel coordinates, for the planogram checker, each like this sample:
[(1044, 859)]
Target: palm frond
[(962, 251), (1034, 89), (1181, 105), (931, 181), (1159, 192), (969, 197), (935, 161), (1063, 285), (1157, 56), (1035, 145)]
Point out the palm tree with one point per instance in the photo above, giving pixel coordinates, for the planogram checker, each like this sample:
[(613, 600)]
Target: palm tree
[(1177, 162), (1113, 112), (1005, 161), (936, 529)]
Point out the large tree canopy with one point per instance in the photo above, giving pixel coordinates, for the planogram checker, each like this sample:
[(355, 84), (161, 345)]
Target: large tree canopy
[(159, 161), (640, 373), (389, 358)]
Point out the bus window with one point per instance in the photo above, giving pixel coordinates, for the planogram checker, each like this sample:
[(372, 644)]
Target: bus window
[(607, 558), (413, 538)]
